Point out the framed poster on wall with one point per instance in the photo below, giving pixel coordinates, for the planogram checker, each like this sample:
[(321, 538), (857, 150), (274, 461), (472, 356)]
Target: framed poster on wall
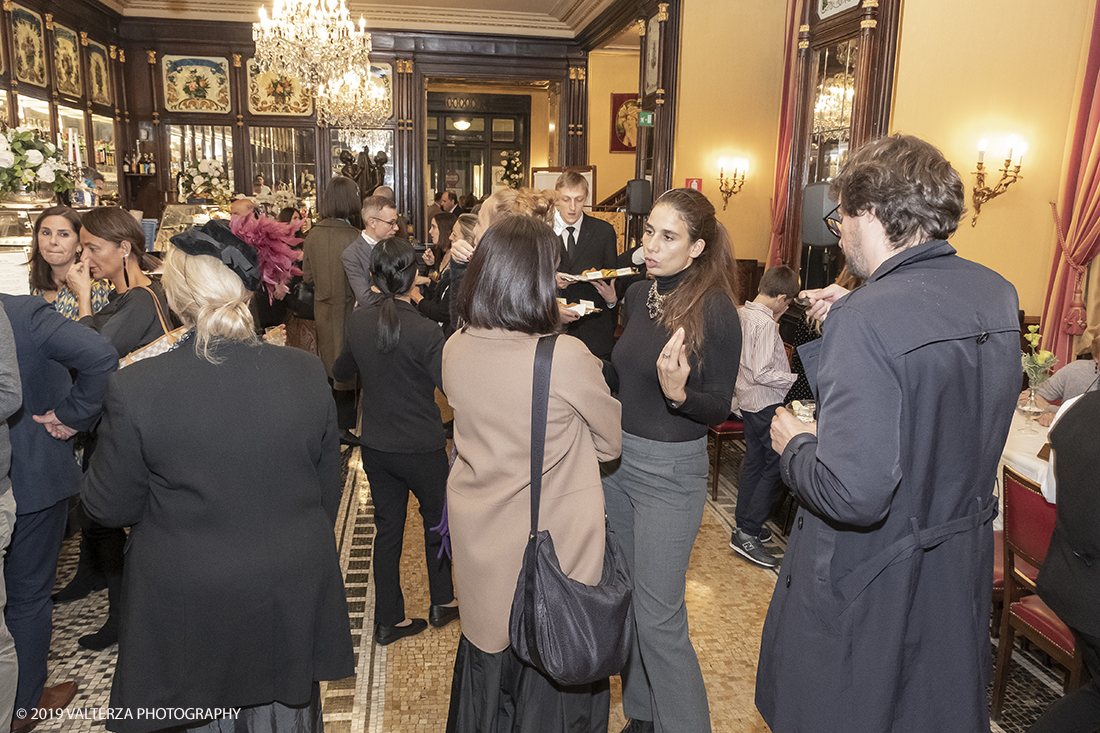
[(195, 84), (624, 122)]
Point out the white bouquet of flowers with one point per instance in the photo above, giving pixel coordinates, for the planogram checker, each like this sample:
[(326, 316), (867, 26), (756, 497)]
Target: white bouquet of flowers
[(206, 179), (28, 160)]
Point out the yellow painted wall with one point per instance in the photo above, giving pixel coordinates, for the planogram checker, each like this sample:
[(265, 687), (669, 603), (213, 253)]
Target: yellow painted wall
[(731, 80), (609, 72), (992, 68)]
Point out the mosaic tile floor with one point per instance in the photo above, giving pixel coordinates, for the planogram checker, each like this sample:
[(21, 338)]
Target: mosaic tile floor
[(406, 687)]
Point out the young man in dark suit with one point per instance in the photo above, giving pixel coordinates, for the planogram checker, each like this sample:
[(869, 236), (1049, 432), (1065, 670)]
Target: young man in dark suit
[(586, 243)]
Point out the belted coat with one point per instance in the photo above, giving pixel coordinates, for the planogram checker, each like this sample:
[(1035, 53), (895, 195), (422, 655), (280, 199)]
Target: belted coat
[(880, 618)]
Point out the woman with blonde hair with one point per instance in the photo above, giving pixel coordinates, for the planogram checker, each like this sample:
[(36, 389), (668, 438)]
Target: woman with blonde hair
[(676, 366), (261, 631)]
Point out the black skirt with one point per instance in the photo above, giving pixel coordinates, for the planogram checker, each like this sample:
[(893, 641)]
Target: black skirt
[(498, 693)]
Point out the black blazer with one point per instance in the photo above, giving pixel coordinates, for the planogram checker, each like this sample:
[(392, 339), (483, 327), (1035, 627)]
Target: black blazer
[(1069, 580), (229, 475), (596, 248), (43, 469)]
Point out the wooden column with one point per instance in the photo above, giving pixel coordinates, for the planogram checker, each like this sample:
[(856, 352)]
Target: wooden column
[(791, 252), (408, 154), (862, 105), (664, 119), (575, 103)]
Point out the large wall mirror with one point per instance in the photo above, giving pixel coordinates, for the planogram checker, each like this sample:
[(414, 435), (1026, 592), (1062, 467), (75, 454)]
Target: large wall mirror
[(286, 157), (191, 143)]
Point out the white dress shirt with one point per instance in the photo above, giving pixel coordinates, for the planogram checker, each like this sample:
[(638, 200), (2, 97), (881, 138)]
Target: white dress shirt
[(559, 229)]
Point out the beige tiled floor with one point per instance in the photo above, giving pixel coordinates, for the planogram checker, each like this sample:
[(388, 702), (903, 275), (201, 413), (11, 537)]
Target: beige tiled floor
[(727, 600)]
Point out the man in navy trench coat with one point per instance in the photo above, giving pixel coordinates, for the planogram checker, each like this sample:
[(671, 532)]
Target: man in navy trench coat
[(880, 618)]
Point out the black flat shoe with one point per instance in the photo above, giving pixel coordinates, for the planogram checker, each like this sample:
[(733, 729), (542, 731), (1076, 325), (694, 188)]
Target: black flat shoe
[(639, 726), (386, 635), (79, 587), (348, 438), (101, 639), (440, 616)]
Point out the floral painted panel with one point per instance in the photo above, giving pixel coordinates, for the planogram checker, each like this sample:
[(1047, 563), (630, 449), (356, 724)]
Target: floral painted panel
[(66, 60), (195, 84), (99, 73), (30, 49), (276, 94)]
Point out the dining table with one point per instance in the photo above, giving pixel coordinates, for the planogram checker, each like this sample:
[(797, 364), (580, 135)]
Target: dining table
[(1026, 439)]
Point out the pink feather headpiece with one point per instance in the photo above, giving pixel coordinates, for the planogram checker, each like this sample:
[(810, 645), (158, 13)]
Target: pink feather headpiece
[(274, 242)]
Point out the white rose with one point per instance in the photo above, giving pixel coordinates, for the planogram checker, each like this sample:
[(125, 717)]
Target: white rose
[(46, 175), (4, 144), (51, 148), (198, 180), (34, 157), (7, 158)]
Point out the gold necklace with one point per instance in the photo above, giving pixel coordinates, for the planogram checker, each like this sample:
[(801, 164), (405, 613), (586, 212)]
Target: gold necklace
[(655, 302)]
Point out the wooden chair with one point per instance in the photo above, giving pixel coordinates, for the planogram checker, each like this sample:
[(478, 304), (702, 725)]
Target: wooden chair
[(1029, 522), (729, 430), (999, 580)]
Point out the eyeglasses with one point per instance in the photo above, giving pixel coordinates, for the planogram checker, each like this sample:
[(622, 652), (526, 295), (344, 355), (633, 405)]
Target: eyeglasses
[(832, 220), (387, 222)]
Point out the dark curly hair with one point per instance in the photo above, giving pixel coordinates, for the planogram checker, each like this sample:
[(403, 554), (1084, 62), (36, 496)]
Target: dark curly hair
[(910, 186)]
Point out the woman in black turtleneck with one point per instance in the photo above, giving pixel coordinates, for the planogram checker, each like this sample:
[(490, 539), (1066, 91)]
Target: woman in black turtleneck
[(676, 367)]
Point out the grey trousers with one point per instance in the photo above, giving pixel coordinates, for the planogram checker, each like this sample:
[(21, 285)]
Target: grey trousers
[(9, 664), (655, 501)]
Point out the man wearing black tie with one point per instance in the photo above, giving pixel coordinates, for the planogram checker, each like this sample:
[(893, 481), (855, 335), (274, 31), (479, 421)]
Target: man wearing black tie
[(587, 243)]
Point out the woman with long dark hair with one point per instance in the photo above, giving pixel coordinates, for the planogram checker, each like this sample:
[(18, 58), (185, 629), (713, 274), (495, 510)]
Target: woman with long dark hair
[(435, 303), (676, 367), (508, 300), (398, 354)]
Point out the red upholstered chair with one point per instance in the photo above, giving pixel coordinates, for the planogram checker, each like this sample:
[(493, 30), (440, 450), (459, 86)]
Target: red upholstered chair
[(729, 430), (999, 580), (1029, 522)]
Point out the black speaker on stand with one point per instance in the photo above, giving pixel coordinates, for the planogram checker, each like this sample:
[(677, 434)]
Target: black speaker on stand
[(639, 196), (821, 254)]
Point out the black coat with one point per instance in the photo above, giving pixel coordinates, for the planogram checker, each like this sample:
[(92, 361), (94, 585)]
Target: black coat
[(597, 248), (229, 476), (43, 469), (880, 618), (1069, 581)]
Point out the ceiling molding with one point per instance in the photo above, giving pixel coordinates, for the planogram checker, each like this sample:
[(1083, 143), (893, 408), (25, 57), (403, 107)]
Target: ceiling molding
[(560, 19)]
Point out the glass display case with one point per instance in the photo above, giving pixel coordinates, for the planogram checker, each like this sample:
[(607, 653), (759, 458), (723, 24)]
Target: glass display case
[(192, 143), (33, 112), (181, 217), (286, 158), (70, 123), (103, 154), (16, 227)]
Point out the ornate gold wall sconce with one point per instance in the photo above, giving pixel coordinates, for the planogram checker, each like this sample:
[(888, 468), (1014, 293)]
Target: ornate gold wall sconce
[(1010, 173), (729, 186)]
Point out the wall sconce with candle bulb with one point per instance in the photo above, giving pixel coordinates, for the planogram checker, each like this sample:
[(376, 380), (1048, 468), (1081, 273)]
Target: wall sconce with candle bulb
[(729, 186), (1010, 173)]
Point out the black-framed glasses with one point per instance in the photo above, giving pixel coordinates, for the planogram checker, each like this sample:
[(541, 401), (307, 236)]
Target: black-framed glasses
[(387, 222), (832, 220)]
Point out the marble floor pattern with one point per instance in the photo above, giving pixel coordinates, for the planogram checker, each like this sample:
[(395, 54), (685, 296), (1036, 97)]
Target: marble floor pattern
[(406, 687)]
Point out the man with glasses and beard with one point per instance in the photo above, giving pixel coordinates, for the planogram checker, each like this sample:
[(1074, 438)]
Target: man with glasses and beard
[(880, 617)]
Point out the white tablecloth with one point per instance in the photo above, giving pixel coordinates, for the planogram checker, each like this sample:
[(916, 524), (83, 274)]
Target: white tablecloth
[(1021, 452)]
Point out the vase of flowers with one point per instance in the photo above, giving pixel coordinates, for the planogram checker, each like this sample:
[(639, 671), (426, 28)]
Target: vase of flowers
[(32, 170), (205, 179), (1038, 364), (513, 168)]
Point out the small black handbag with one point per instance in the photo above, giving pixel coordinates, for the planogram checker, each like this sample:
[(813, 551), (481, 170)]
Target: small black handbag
[(302, 305), (572, 632)]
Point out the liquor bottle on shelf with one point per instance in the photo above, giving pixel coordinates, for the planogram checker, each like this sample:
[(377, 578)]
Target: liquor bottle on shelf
[(152, 165), (126, 163)]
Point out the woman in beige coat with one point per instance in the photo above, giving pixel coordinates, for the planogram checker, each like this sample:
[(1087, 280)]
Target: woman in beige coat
[(507, 301), (322, 265)]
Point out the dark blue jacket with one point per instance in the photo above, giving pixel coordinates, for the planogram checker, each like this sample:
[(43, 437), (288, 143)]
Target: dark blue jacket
[(43, 469), (880, 618)]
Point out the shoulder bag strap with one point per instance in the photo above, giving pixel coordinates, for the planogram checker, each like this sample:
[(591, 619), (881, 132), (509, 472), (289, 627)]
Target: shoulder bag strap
[(540, 399), (156, 303)]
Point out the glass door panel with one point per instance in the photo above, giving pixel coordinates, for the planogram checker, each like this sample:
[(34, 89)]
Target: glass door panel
[(283, 156), (191, 143), (103, 152)]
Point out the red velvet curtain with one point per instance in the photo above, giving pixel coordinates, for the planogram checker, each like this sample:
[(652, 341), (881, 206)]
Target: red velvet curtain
[(786, 125), (1078, 212)]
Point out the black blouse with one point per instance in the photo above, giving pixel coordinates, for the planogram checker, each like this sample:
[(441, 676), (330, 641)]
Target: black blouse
[(647, 413), (130, 320)]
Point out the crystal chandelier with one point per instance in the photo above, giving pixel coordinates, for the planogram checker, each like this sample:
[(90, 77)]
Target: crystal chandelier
[(833, 107), (353, 102), (311, 40)]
